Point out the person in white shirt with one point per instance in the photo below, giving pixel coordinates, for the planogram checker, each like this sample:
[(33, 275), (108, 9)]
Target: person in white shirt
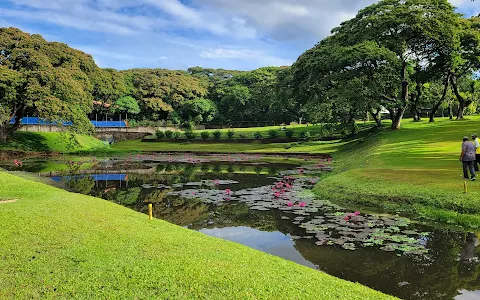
[(476, 143)]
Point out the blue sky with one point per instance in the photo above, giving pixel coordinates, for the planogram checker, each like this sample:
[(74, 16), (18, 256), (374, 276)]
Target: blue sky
[(177, 34)]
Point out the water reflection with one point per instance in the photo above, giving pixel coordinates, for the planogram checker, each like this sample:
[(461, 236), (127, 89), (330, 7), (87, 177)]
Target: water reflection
[(275, 243)]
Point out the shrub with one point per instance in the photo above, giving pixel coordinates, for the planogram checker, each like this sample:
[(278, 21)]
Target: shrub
[(344, 131), (272, 133), (217, 134), (189, 134), (169, 134), (205, 135), (257, 135), (289, 133), (160, 134), (188, 125), (175, 135), (243, 136), (230, 134), (306, 135)]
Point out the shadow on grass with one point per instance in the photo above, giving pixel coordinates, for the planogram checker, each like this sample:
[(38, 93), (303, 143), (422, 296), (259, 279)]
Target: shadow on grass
[(26, 141)]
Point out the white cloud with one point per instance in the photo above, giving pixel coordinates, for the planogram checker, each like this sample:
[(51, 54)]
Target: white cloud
[(228, 53), (245, 54)]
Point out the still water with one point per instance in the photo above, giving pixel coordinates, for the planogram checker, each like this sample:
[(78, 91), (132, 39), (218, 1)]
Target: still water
[(270, 207)]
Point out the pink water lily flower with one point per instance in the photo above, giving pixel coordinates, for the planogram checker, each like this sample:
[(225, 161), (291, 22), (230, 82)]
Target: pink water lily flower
[(277, 194), (357, 213), (303, 204), (228, 191), (290, 204)]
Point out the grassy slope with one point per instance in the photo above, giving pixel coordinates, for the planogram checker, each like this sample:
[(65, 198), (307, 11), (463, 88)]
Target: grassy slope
[(416, 169), (50, 141), (57, 244)]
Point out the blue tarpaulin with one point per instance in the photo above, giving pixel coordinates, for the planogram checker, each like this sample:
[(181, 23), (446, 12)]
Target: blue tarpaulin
[(38, 121), (96, 177)]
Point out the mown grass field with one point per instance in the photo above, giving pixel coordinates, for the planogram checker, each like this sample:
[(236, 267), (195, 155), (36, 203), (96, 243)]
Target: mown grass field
[(59, 245), (415, 170), (301, 147)]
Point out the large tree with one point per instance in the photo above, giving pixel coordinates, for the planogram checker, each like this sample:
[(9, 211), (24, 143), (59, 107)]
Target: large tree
[(406, 37), (46, 79)]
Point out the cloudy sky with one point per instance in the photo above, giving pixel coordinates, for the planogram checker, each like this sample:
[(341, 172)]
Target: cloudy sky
[(177, 34)]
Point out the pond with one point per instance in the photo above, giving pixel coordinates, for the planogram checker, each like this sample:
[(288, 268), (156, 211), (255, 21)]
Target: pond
[(267, 204)]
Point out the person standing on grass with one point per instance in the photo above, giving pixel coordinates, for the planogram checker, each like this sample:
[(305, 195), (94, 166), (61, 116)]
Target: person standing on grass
[(476, 143), (468, 158)]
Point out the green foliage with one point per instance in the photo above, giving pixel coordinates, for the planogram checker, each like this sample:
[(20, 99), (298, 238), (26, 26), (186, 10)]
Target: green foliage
[(344, 132), (169, 134), (189, 134), (305, 135), (230, 134), (175, 135), (127, 104), (160, 134), (48, 79), (188, 125), (217, 134), (257, 135), (243, 136), (205, 135), (289, 133), (273, 134)]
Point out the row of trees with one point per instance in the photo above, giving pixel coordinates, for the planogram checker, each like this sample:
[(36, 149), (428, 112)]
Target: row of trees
[(396, 55)]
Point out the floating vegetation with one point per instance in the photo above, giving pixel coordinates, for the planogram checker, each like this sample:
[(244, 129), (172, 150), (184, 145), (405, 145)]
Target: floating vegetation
[(329, 224)]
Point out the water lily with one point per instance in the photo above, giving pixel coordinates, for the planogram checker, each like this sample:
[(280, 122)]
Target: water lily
[(303, 204), (290, 204), (277, 195), (17, 163), (228, 191), (357, 213)]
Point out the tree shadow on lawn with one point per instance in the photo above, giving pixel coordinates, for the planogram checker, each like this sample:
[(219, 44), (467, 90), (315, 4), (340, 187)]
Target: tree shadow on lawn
[(27, 141)]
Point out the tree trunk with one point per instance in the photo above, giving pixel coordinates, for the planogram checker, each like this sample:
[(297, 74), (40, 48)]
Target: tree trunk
[(439, 103), (416, 102), (376, 117), (462, 102), (450, 110), (397, 118), (397, 121), (300, 120), (3, 133)]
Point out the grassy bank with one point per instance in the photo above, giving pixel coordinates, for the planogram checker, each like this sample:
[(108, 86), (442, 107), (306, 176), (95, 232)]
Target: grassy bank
[(305, 147), (50, 142), (57, 244), (414, 170)]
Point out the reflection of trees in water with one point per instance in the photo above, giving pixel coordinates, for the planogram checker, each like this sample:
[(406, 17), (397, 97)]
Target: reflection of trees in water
[(83, 184), (438, 275), (177, 210), (129, 196)]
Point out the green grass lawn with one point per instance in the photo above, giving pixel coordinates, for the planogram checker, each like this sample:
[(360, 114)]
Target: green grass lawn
[(249, 133), (50, 142), (415, 169), (59, 245), (305, 147)]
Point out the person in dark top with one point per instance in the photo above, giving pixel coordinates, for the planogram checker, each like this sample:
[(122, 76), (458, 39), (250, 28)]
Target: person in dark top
[(468, 158)]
